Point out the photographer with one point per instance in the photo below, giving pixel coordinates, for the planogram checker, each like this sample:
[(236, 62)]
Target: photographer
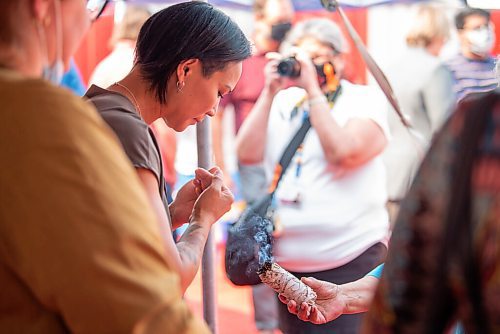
[(331, 201)]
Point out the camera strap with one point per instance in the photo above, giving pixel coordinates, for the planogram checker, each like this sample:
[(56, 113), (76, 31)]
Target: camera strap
[(288, 154), (296, 142)]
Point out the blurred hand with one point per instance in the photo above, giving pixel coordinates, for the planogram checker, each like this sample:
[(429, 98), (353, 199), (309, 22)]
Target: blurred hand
[(182, 207), (308, 76), (215, 198), (330, 303), (274, 82)]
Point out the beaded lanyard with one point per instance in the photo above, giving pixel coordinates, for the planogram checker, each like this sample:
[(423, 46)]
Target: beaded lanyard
[(331, 98)]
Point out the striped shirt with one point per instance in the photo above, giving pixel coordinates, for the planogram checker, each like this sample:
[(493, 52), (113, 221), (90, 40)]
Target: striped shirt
[(472, 76)]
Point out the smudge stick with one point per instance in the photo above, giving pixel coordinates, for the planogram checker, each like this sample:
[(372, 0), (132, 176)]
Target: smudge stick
[(286, 284)]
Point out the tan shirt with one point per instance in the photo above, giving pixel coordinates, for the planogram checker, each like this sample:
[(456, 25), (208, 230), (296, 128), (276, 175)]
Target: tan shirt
[(80, 248)]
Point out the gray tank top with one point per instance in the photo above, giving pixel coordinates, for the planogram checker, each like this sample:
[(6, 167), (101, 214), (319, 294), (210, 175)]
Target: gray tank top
[(137, 139)]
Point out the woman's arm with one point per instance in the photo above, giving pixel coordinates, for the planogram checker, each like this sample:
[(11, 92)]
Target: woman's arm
[(252, 136), (346, 146), (350, 146), (185, 256)]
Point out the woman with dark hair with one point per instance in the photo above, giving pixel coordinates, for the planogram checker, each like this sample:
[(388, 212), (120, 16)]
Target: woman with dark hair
[(188, 56)]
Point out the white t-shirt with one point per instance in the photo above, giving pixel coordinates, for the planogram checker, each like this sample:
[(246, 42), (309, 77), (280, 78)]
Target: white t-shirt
[(340, 213)]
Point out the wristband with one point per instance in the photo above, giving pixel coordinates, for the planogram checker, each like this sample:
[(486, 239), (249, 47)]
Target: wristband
[(320, 99)]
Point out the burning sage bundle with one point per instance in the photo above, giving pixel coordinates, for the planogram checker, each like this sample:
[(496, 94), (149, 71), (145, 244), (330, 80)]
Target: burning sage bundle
[(286, 284)]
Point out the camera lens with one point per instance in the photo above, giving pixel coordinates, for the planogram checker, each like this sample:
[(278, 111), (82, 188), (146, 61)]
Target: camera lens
[(289, 67)]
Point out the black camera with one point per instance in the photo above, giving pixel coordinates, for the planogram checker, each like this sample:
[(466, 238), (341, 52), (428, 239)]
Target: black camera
[(289, 67)]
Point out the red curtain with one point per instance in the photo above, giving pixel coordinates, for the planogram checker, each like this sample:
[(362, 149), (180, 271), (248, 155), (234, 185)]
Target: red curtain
[(95, 45), (355, 70)]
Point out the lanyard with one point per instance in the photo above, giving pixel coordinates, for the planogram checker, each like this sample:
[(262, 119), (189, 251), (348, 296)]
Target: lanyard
[(331, 97)]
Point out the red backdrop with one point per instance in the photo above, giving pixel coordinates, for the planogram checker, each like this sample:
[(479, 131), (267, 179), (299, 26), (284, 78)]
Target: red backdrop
[(495, 18), (95, 45), (355, 70)]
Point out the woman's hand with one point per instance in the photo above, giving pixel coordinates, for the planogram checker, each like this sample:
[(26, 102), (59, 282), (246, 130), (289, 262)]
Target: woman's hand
[(308, 78), (182, 208), (274, 82), (215, 198), (330, 303), (334, 300)]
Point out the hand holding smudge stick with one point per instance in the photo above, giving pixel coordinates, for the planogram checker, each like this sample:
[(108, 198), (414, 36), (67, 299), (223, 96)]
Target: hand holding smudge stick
[(286, 284)]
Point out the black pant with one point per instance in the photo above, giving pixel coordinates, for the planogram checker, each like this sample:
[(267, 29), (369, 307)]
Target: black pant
[(345, 324)]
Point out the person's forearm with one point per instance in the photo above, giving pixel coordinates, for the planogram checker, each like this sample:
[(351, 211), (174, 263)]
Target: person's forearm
[(336, 144), (176, 223), (348, 146), (252, 136), (358, 294), (190, 247)]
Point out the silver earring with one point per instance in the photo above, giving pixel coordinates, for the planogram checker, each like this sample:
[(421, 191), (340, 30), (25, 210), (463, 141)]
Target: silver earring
[(180, 85)]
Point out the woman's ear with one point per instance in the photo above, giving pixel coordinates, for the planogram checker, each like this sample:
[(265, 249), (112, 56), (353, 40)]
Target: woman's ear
[(186, 68)]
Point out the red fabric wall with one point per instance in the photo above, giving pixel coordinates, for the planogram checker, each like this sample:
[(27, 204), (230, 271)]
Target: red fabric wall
[(95, 45), (355, 67), (495, 18)]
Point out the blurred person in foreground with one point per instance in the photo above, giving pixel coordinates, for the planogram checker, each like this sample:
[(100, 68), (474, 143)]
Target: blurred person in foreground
[(331, 201), (188, 56), (444, 259), (80, 246), (443, 265), (474, 68), (424, 88), (272, 21)]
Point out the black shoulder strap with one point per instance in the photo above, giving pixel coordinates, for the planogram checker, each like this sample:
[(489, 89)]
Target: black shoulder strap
[(292, 147)]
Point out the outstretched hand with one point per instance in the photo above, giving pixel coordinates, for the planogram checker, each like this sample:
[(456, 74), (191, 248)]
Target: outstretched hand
[(330, 303)]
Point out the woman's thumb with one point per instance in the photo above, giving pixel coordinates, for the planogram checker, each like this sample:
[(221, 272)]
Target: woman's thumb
[(312, 282)]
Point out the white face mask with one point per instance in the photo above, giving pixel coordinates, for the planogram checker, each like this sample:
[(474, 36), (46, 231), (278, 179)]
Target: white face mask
[(54, 72), (481, 40)]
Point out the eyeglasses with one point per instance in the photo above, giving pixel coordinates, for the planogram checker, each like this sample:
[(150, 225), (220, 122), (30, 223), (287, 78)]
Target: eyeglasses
[(96, 8)]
